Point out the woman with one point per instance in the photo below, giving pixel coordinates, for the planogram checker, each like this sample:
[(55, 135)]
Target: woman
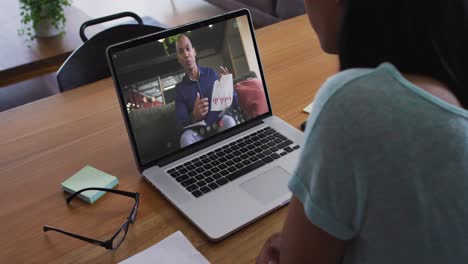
[(383, 176)]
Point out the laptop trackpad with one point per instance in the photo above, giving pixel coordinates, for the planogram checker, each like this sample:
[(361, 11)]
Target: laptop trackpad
[(268, 186)]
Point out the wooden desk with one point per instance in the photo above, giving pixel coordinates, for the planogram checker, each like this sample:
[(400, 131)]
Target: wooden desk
[(43, 143), (21, 59)]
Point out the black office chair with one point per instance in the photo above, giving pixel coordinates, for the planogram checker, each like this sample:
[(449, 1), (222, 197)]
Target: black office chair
[(88, 63)]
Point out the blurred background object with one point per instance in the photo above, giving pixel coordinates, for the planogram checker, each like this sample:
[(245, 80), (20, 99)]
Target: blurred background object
[(264, 12)]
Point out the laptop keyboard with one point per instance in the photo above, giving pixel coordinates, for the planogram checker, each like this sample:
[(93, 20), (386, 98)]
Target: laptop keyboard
[(231, 161)]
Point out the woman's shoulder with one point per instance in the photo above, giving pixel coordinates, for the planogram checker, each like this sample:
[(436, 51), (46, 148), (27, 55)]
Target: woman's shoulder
[(353, 87), (360, 99), (381, 87), (353, 82)]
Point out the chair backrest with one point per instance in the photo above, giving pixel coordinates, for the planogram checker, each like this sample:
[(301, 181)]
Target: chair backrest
[(88, 63)]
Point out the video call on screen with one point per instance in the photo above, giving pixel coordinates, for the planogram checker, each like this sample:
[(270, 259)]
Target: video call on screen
[(169, 107)]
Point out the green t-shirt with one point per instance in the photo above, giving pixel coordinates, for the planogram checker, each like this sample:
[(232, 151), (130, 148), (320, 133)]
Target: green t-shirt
[(385, 165)]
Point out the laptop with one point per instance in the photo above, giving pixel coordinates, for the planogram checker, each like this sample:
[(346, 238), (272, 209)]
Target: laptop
[(197, 111)]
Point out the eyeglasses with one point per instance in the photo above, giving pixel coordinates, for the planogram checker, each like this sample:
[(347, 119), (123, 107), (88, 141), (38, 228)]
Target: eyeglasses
[(115, 241)]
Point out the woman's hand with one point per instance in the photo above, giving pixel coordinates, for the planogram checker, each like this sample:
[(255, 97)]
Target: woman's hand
[(270, 252)]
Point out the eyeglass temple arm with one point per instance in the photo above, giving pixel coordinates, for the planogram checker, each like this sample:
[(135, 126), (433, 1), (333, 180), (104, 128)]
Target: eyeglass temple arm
[(87, 239), (129, 194)]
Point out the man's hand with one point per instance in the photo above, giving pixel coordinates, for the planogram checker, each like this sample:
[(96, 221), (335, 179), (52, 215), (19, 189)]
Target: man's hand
[(224, 71), (200, 108), (271, 250)]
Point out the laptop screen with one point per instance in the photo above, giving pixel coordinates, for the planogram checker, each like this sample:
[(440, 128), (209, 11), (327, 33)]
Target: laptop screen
[(184, 88)]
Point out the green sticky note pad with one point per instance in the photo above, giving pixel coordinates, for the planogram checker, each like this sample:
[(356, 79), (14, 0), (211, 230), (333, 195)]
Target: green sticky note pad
[(89, 177)]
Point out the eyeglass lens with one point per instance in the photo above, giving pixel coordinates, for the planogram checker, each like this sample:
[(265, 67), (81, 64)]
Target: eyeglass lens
[(134, 212), (120, 237)]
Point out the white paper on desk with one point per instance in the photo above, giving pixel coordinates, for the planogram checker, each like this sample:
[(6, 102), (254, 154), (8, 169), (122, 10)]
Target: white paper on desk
[(308, 108), (223, 90), (175, 248)]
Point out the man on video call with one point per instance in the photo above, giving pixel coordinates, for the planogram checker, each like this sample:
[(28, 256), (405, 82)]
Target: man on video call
[(193, 97)]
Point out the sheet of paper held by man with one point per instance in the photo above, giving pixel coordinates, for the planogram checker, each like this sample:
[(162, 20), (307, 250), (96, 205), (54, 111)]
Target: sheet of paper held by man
[(174, 249), (223, 90)]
